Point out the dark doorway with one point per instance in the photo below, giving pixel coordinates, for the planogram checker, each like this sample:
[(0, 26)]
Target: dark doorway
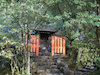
[(45, 41)]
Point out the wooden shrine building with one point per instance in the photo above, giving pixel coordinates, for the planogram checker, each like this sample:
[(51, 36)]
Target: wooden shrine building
[(45, 37)]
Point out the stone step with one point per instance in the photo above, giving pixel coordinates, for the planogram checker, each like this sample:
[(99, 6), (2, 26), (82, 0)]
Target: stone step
[(48, 67), (54, 70), (44, 54), (41, 71), (49, 57), (42, 60), (53, 66), (54, 74), (45, 63), (41, 53), (45, 67)]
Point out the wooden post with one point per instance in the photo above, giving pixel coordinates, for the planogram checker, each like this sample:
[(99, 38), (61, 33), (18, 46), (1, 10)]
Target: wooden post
[(64, 50), (52, 45), (61, 49), (37, 45), (58, 45), (55, 47), (34, 45), (31, 44)]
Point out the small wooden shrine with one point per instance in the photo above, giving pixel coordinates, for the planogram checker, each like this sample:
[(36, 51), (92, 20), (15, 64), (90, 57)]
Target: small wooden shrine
[(45, 37)]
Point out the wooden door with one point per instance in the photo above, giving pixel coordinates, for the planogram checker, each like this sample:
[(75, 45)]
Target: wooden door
[(34, 47), (58, 45), (34, 44)]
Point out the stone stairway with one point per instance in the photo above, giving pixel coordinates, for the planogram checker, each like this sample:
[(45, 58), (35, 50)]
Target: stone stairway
[(44, 64)]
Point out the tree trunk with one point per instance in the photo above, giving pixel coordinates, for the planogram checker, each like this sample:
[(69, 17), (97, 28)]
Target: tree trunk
[(98, 28), (28, 52), (28, 62), (98, 34)]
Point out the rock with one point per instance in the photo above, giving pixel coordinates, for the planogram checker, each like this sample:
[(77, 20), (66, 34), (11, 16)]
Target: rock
[(65, 69), (48, 70), (58, 60), (61, 74), (66, 66), (54, 70), (49, 74), (83, 70), (56, 74), (39, 71), (78, 73), (53, 66), (3, 65), (71, 72)]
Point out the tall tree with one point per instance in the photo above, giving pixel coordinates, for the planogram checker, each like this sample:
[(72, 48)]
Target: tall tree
[(98, 27)]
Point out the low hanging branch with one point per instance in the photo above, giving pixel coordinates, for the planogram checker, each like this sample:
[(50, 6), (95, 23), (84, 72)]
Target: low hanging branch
[(66, 31)]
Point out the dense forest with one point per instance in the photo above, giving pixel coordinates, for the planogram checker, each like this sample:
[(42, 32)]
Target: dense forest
[(77, 20)]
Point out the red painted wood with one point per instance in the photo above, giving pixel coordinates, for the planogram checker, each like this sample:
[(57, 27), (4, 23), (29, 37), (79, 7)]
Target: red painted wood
[(58, 45), (61, 50), (26, 41), (52, 46), (64, 51), (34, 39), (35, 44), (31, 44), (55, 47)]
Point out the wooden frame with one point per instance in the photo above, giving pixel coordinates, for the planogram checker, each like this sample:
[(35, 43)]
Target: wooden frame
[(58, 45), (34, 46)]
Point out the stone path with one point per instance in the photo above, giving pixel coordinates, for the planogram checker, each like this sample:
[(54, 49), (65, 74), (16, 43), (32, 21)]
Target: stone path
[(44, 64)]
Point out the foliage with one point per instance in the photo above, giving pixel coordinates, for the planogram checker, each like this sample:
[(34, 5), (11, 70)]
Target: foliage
[(88, 54), (78, 20)]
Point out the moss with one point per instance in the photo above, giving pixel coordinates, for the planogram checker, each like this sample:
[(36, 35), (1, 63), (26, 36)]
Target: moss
[(5, 71), (95, 72)]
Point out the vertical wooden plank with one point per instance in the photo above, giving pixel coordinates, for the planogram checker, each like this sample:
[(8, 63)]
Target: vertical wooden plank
[(64, 51), (26, 37), (34, 43), (37, 45), (31, 44), (61, 49), (26, 40), (55, 50), (55, 45), (58, 45), (52, 45)]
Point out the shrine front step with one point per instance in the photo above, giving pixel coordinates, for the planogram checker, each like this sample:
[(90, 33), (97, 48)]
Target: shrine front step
[(46, 64)]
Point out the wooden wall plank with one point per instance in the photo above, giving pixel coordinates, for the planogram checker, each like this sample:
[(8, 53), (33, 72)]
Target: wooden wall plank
[(37, 45), (31, 44), (58, 45), (64, 51), (52, 45), (61, 50), (34, 45)]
